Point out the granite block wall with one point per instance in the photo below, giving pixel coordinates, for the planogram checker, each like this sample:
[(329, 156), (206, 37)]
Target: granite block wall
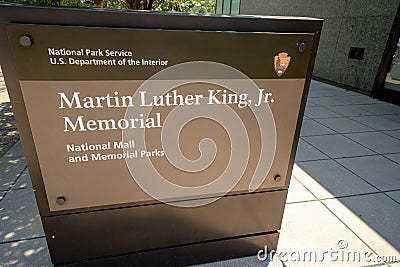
[(348, 23)]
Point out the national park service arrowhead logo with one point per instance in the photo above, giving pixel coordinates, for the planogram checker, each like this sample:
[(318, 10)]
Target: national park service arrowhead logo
[(281, 63)]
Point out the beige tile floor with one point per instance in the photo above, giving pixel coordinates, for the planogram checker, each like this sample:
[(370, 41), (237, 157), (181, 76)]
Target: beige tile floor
[(343, 206)]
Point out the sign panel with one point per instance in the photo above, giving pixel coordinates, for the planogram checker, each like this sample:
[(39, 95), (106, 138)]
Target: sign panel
[(196, 115), (137, 116)]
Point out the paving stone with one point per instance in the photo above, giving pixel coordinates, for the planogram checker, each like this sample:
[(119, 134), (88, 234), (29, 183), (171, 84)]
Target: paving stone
[(320, 112), (306, 152), (327, 92), (10, 169), (32, 252), (8, 129), (15, 151), (297, 192), (19, 216), (394, 195), (395, 134), (310, 127), (369, 216), (244, 261), (24, 181), (7, 139), (376, 141), (377, 170), (348, 110), (327, 179), (310, 103), (338, 146), (380, 109), (395, 118), (326, 101), (311, 227), (377, 122), (344, 125), (394, 157), (357, 99)]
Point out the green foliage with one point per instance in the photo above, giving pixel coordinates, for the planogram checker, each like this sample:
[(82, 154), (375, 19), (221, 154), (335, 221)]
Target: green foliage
[(114, 4), (189, 6), (71, 3)]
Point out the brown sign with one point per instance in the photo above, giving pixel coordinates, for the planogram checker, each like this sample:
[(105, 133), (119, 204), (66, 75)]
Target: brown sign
[(153, 138), (96, 135)]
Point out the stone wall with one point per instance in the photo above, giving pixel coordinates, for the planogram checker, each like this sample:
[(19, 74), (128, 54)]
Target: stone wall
[(348, 23)]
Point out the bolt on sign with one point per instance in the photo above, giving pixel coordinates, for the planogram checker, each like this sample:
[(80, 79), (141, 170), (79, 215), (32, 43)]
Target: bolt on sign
[(155, 138)]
